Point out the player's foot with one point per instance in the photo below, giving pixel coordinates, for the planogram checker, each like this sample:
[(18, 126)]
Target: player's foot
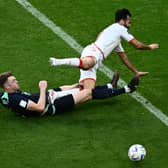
[(133, 84), (115, 79), (53, 61)]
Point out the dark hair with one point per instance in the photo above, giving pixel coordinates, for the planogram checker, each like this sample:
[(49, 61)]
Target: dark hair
[(4, 77), (122, 14)]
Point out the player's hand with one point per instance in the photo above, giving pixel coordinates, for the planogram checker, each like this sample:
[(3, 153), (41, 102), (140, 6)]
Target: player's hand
[(139, 74), (43, 84), (154, 46)]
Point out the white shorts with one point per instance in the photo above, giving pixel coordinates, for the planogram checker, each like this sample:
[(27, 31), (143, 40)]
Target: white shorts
[(91, 51), (53, 95)]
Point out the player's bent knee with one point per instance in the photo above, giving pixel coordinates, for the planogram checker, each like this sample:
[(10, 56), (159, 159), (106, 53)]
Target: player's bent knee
[(82, 96), (88, 62)]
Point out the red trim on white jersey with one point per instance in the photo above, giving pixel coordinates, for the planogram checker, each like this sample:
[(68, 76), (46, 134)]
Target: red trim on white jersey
[(99, 50)]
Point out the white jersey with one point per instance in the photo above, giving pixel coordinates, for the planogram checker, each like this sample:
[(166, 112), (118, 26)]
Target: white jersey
[(110, 39)]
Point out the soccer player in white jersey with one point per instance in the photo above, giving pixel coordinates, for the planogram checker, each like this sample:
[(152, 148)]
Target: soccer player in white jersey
[(107, 41)]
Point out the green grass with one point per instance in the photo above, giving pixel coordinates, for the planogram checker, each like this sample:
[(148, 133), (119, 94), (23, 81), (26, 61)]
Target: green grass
[(98, 133)]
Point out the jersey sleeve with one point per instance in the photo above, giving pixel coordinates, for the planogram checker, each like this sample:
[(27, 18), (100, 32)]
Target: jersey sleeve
[(126, 35), (18, 102), (119, 48)]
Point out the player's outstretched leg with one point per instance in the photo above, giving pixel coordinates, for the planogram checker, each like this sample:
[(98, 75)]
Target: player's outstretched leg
[(66, 61), (104, 93), (84, 63)]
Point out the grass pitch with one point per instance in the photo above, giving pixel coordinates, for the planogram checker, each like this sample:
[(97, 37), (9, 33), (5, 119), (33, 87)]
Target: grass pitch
[(98, 133)]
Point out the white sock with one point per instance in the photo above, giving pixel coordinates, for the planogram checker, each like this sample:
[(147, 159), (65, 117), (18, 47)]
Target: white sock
[(109, 86), (67, 61), (127, 89)]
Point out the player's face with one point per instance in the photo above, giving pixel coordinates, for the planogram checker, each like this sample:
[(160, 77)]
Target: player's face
[(127, 22), (12, 83)]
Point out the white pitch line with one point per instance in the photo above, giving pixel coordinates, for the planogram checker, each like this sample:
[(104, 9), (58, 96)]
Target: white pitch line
[(73, 44), (138, 97)]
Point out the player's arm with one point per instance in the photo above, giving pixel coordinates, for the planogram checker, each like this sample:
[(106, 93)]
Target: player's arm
[(40, 105), (130, 66), (141, 46), (135, 43)]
